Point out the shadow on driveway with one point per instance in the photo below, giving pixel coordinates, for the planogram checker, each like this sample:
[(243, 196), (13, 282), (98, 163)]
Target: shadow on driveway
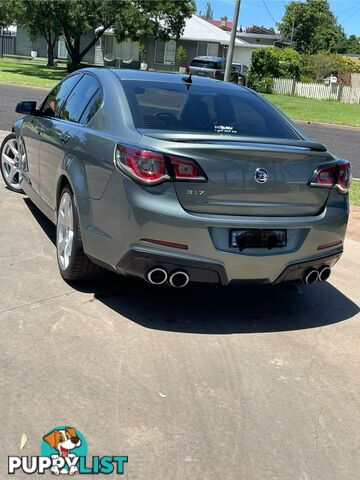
[(216, 310)]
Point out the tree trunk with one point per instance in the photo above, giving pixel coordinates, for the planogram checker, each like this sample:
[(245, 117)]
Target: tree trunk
[(75, 56), (50, 53), (74, 48)]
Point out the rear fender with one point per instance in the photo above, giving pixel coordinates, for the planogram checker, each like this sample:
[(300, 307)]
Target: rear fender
[(72, 171)]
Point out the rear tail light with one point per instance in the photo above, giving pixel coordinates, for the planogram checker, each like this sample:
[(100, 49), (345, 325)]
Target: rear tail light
[(217, 74), (150, 168), (337, 175)]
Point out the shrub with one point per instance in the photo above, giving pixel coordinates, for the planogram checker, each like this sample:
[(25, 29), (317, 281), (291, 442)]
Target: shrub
[(261, 84), (269, 63), (323, 65), (181, 55)]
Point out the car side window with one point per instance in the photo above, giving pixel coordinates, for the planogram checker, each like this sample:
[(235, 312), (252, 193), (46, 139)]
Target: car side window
[(92, 107), (55, 100), (79, 98)]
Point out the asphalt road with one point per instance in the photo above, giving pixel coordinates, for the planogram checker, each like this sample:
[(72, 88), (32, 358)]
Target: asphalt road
[(203, 383), (342, 141)]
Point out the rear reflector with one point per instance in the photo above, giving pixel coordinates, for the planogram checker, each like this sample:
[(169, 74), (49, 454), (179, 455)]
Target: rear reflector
[(151, 167), (182, 246), (329, 245), (336, 175)]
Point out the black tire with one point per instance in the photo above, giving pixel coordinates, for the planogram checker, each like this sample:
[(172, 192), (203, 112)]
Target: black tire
[(11, 136), (80, 267)]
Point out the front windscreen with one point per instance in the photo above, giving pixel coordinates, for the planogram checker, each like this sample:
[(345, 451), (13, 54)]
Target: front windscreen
[(203, 109)]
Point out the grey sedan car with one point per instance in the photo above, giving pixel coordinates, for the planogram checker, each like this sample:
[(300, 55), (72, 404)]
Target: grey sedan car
[(178, 179)]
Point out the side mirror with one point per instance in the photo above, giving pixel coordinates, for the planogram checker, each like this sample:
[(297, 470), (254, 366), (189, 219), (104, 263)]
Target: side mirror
[(26, 108)]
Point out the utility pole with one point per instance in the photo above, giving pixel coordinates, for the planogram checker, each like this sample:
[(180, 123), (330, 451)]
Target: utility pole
[(292, 30), (230, 53)]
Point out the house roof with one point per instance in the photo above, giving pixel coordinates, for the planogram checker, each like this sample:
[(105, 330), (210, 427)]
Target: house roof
[(265, 36), (217, 23), (201, 30)]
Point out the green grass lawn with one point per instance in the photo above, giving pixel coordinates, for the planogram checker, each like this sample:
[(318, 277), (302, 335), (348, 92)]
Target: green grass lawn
[(30, 74), (307, 109), (355, 192)]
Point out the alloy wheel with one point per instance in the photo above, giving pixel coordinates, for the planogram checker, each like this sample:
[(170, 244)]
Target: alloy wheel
[(65, 231), (10, 163)]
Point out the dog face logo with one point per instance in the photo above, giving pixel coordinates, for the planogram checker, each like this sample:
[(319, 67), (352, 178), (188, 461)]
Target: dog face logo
[(64, 445), (63, 440)]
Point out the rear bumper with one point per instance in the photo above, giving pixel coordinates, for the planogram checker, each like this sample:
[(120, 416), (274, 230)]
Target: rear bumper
[(138, 262), (115, 228)]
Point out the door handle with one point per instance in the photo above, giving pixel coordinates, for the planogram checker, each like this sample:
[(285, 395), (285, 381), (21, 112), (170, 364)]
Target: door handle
[(65, 137)]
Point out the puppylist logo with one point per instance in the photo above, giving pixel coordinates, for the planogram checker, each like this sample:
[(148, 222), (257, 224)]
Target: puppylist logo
[(64, 451)]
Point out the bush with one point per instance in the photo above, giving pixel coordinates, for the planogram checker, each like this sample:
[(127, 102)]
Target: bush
[(306, 79), (275, 63), (261, 84), (322, 65), (181, 55)]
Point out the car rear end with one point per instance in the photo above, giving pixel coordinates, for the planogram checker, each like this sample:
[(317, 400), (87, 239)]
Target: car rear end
[(212, 67), (227, 190)]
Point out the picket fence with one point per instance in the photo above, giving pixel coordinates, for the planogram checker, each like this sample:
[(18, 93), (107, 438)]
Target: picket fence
[(319, 91)]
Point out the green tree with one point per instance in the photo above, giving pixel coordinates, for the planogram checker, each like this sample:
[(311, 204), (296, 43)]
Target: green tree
[(41, 19), (353, 45), (312, 26), (209, 12), (135, 19), (9, 12), (274, 62), (260, 29)]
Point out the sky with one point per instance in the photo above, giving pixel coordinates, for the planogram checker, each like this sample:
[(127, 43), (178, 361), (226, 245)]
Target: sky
[(268, 12)]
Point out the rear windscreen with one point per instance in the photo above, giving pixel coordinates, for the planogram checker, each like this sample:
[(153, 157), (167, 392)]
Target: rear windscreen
[(205, 64), (203, 109)]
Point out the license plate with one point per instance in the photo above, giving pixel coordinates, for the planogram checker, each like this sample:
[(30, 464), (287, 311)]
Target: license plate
[(258, 238)]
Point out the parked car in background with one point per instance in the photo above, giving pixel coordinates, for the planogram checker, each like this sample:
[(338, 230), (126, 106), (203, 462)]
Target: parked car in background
[(154, 176), (214, 67), (242, 71)]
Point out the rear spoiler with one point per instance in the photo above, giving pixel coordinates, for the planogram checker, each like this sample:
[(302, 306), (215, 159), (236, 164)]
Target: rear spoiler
[(194, 138)]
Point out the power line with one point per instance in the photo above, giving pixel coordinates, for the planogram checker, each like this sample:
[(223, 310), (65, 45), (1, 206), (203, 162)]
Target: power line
[(267, 8), (346, 9), (351, 15)]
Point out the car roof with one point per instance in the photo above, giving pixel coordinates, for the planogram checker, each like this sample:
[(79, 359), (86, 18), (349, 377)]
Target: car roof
[(209, 59), (125, 74)]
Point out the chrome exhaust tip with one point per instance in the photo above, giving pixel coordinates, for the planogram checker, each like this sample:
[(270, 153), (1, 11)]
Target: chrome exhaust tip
[(311, 277), (324, 274), (179, 279), (157, 276)]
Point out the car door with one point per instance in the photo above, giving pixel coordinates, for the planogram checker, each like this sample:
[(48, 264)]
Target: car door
[(34, 130), (62, 134)]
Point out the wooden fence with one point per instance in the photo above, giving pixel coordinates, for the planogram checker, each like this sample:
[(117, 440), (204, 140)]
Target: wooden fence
[(319, 91)]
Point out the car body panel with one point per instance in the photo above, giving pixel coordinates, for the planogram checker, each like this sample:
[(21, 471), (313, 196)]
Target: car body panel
[(118, 215)]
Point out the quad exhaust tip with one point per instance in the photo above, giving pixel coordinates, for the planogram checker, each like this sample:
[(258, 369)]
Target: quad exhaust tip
[(157, 276), (311, 277), (179, 279), (324, 274)]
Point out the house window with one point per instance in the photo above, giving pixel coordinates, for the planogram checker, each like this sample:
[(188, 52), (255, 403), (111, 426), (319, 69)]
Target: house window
[(207, 49), (165, 52)]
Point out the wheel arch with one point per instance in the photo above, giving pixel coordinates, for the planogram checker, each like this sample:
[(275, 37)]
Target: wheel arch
[(72, 173)]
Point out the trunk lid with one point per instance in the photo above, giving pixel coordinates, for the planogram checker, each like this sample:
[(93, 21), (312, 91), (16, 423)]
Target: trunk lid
[(230, 164)]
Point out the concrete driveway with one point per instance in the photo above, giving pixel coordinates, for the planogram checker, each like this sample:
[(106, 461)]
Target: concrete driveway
[(203, 383)]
